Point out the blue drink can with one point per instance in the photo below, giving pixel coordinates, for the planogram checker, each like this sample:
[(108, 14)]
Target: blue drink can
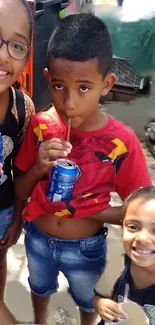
[(1, 149), (62, 179)]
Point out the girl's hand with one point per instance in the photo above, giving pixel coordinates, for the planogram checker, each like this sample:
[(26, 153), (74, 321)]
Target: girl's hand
[(107, 309), (1, 169), (11, 235), (50, 151)]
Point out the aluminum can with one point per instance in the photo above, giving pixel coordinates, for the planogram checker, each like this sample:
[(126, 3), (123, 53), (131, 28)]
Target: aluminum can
[(62, 179)]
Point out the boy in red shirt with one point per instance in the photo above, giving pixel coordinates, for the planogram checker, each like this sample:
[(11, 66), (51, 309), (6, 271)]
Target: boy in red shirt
[(69, 236)]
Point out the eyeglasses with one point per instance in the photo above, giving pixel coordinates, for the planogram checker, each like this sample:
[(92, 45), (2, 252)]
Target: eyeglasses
[(16, 49)]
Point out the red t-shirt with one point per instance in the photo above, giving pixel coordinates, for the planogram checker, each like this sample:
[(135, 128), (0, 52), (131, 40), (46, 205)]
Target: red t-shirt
[(110, 159)]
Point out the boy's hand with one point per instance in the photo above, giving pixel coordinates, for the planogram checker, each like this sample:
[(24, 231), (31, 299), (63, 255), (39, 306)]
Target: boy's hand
[(50, 151), (107, 309)]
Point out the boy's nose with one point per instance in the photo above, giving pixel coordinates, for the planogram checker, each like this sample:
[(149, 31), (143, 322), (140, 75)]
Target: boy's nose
[(69, 104)]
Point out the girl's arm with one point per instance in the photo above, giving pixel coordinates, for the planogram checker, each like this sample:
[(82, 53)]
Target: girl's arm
[(107, 309), (13, 232)]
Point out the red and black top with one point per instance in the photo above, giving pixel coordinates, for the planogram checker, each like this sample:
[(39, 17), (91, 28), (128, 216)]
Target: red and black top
[(109, 159)]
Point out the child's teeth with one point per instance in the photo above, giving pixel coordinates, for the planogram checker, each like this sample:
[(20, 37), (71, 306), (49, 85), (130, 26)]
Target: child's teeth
[(3, 73), (144, 252)]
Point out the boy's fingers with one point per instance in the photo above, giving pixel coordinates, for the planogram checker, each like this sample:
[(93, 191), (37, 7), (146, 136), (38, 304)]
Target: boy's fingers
[(58, 146), (56, 143), (51, 164), (54, 154)]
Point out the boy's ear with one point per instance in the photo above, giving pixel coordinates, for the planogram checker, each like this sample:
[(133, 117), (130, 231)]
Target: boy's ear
[(46, 75), (108, 83)]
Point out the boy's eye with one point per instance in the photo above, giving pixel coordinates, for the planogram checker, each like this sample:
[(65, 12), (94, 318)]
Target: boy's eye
[(58, 87), (84, 89)]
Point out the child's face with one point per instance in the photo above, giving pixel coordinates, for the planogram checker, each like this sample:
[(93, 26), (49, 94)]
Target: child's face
[(139, 232), (75, 89), (14, 26)]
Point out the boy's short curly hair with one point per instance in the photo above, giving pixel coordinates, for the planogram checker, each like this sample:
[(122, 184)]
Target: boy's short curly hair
[(82, 37)]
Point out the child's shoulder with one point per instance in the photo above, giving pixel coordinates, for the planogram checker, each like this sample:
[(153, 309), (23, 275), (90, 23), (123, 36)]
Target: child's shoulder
[(124, 133), (45, 117), (18, 96), (29, 105)]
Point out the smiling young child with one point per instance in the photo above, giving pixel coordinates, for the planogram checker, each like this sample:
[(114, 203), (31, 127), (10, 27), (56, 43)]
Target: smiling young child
[(16, 110), (139, 271)]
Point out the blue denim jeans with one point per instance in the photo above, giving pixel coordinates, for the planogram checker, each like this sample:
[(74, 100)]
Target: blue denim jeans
[(81, 261), (6, 218)]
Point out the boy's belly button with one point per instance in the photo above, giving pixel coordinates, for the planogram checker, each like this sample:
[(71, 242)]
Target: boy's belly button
[(59, 221), (67, 228)]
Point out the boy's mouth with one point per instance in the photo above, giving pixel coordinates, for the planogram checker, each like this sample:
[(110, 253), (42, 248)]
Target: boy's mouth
[(142, 251)]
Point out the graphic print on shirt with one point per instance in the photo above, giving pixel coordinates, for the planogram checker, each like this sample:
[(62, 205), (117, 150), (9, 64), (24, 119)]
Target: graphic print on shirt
[(150, 312), (98, 165), (38, 131), (96, 162), (7, 150)]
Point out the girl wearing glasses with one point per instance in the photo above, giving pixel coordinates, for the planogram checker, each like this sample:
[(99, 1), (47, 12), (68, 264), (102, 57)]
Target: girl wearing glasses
[(15, 40)]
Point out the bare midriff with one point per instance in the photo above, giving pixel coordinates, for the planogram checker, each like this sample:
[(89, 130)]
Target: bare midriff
[(66, 228)]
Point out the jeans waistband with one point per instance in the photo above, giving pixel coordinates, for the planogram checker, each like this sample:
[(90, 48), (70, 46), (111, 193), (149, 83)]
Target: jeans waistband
[(102, 232), (31, 225)]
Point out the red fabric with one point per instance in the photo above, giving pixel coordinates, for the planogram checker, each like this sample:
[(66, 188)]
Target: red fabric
[(110, 159)]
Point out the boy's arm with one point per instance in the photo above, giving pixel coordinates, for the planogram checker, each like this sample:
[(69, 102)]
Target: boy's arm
[(132, 175), (111, 215), (33, 162)]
